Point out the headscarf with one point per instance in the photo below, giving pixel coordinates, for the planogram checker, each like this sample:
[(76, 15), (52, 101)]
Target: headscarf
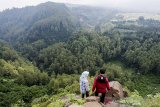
[(84, 76)]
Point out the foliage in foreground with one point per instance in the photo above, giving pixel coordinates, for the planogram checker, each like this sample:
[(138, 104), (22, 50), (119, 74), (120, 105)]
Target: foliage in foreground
[(144, 84), (12, 94), (57, 101), (136, 100)]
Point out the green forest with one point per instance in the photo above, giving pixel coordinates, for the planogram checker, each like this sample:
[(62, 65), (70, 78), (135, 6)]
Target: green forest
[(45, 48)]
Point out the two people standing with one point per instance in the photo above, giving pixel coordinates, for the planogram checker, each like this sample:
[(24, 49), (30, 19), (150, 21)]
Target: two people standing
[(100, 85)]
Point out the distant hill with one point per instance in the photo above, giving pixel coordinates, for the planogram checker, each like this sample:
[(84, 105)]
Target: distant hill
[(47, 18), (48, 23), (90, 16)]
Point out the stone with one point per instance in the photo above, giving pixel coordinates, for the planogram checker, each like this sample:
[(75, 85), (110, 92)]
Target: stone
[(92, 104), (75, 105), (116, 91), (113, 104), (92, 99)]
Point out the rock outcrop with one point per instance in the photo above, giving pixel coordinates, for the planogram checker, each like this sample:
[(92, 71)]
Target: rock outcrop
[(113, 104), (92, 99), (92, 104), (75, 105), (116, 91)]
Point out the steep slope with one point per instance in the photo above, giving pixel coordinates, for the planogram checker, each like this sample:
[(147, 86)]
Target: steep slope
[(19, 69), (33, 28), (47, 17), (49, 20), (20, 80), (30, 29)]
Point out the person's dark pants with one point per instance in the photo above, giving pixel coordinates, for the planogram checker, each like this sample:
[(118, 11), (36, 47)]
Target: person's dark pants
[(102, 97), (87, 94)]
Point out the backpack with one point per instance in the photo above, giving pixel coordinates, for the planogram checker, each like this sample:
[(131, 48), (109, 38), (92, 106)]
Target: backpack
[(101, 79)]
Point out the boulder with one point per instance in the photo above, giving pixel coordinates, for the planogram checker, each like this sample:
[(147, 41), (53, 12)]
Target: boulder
[(92, 99), (75, 105), (92, 104), (116, 91), (113, 104)]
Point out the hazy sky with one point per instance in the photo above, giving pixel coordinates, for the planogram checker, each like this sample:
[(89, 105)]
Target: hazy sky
[(147, 5)]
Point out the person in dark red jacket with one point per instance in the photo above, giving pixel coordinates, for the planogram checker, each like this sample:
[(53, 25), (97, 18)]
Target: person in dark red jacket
[(101, 83)]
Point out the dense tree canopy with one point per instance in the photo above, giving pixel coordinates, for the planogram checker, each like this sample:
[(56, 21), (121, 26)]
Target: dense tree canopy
[(44, 48)]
